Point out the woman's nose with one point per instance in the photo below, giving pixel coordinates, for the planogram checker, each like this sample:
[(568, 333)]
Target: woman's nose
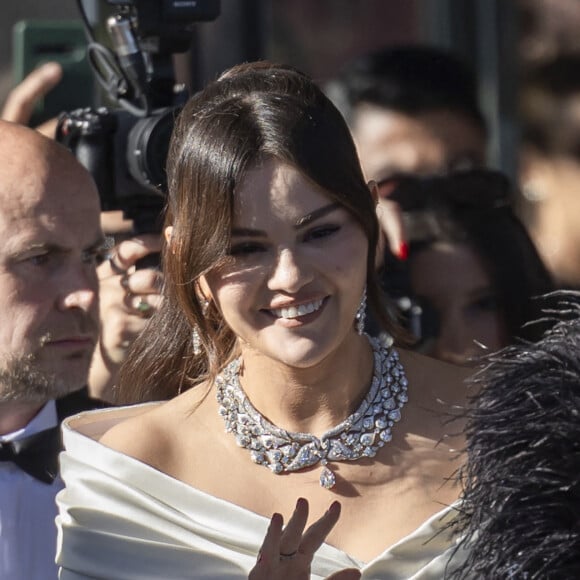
[(290, 272), (454, 343)]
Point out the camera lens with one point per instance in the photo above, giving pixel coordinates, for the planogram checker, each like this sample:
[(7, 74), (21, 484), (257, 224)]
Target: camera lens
[(147, 148)]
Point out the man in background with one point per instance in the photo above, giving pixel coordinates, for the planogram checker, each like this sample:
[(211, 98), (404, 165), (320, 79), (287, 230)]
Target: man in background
[(549, 114), (52, 237), (128, 296), (411, 109)]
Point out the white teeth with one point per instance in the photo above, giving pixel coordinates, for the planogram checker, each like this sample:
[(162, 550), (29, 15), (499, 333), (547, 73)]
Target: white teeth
[(296, 311)]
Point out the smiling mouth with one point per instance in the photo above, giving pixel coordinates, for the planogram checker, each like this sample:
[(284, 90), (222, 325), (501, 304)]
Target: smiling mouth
[(297, 311)]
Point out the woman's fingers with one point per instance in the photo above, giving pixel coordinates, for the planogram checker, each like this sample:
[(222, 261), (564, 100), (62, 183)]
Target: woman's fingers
[(288, 552), (271, 544), (316, 534), (269, 554), (291, 539)]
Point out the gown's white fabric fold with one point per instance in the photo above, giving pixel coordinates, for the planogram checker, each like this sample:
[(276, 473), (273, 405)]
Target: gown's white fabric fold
[(122, 519)]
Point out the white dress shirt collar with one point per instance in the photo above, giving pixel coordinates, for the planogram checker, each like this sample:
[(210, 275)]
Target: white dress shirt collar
[(46, 418)]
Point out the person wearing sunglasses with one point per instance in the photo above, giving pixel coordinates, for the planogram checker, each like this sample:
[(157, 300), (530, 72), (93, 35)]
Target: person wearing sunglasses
[(473, 276)]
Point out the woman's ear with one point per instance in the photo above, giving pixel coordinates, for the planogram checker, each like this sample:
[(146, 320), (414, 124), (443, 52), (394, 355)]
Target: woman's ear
[(204, 289), (168, 233)]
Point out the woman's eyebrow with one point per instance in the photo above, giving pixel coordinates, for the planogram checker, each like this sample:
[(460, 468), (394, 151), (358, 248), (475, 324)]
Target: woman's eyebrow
[(300, 222), (248, 232), (316, 214)]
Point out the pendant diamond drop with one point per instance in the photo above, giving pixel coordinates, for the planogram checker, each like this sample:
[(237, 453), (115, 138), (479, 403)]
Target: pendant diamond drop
[(327, 478)]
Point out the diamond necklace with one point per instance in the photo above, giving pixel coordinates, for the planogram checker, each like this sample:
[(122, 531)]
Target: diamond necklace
[(361, 434)]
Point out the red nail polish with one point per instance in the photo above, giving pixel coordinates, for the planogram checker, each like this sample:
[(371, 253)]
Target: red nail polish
[(403, 251)]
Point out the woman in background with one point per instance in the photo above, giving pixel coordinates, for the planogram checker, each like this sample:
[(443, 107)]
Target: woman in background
[(473, 274)]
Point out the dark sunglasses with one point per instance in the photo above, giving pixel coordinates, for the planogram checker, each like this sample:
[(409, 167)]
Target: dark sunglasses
[(472, 189)]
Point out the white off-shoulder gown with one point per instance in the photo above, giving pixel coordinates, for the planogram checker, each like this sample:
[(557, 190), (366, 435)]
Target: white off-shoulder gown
[(122, 519)]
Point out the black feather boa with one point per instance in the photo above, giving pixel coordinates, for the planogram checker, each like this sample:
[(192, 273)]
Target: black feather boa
[(520, 512)]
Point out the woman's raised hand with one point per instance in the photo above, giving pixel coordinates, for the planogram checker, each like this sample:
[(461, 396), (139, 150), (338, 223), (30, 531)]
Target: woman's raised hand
[(287, 551)]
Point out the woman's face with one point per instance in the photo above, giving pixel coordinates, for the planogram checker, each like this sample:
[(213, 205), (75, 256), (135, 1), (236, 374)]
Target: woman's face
[(297, 268), (453, 281)]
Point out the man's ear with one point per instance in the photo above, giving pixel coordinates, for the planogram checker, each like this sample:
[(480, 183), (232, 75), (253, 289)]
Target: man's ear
[(536, 175)]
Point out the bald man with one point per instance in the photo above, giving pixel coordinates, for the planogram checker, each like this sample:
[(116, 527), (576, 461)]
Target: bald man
[(51, 238), (128, 297)]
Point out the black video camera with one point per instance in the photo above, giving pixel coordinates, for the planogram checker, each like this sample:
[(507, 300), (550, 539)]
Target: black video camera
[(125, 148), (416, 316)]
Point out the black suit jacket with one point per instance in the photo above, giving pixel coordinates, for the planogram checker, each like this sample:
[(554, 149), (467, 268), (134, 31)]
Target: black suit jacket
[(77, 402), (37, 454)]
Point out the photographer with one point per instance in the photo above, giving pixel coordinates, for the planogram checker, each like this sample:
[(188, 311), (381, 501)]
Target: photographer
[(128, 298)]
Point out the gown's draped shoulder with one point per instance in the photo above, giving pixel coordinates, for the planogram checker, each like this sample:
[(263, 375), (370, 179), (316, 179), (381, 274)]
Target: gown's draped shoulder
[(122, 519)]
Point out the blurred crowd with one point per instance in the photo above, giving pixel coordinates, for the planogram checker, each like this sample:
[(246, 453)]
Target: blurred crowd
[(469, 258)]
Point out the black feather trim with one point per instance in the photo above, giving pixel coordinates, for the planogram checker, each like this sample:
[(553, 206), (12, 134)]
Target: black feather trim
[(520, 513)]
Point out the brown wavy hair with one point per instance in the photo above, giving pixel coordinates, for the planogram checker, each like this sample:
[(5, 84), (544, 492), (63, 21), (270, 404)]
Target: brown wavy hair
[(253, 112)]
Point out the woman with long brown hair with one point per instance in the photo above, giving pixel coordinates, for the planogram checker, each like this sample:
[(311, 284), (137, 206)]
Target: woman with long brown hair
[(263, 393)]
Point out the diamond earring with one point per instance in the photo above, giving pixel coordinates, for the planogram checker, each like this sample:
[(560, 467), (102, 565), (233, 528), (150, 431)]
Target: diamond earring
[(196, 341), (195, 338), (361, 313)]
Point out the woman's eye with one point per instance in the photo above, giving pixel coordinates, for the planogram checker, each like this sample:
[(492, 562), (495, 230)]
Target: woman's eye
[(246, 248), (39, 259), (321, 232), (486, 303)]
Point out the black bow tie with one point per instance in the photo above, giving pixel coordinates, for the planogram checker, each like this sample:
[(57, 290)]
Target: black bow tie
[(37, 455)]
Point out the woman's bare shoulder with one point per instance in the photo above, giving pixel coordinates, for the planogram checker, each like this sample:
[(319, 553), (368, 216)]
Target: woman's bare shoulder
[(149, 436), (439, 394), (138, 436), (432, 378)]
